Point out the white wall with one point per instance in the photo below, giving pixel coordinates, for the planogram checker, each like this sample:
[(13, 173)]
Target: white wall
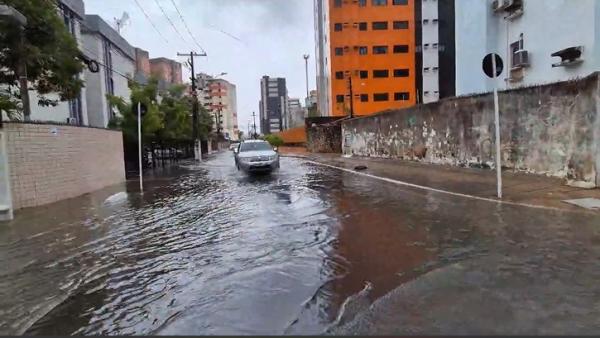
[(60, 112), (98, 107), (96, 82), (547, 26)]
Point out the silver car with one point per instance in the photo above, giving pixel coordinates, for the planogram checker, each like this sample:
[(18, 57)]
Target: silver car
[(256, 156)]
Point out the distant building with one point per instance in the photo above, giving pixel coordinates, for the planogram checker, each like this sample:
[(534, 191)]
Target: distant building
[(72, 12), (219, 97), (273, 104), (539, 41), (118, 59), (168, 71), (142, 65), (295, 114), (312, 99)]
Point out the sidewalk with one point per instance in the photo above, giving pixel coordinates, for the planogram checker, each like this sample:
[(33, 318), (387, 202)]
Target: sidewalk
[(517, 187)]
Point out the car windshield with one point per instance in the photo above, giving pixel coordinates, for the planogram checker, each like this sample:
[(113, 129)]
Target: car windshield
[(252, 146)]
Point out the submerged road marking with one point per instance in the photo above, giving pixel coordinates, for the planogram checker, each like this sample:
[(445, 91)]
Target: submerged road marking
[(422, 187)]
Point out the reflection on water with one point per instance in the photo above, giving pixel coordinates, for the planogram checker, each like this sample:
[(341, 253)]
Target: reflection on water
[(210, 250)]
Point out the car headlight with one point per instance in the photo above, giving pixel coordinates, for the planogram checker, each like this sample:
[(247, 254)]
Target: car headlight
[(245, 159), (272, 158)]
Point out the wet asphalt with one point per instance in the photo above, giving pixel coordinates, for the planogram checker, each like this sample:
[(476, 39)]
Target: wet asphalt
[(210, 250)]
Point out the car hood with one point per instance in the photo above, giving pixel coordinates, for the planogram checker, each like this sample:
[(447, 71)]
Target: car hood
[(256, 153)]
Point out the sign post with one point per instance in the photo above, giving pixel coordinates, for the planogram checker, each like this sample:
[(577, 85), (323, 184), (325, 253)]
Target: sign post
[(492, 67)]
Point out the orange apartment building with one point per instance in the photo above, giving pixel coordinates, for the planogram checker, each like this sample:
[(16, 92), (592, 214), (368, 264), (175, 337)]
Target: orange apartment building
[(372, 45), (395, 53)]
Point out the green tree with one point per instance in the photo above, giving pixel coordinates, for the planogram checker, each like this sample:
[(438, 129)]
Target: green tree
[(274, 140), (49, 51), (126, 119), (176, 113)]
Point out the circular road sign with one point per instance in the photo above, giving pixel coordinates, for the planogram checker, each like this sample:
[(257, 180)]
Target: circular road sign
[(488, 66)]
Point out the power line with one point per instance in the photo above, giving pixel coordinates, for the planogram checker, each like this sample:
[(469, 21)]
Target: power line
[(170, 21), (187, 27), (150, 20)]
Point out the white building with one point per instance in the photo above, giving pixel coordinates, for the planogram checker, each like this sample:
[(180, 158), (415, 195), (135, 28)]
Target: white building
[(526, 34), (219, 97), (117, 57), (322, 50), (73, 111), (295, 113)]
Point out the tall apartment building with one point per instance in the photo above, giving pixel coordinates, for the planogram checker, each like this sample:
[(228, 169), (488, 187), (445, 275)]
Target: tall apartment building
[(273, 104), (540, 41), (394, 52), (118, 58), (219, 97)]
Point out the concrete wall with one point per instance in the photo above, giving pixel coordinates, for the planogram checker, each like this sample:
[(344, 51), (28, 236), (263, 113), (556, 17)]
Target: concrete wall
[(551, 129), (54, 162), (324, 138)]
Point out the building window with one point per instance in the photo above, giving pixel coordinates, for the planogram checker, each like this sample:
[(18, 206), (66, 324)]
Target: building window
[(379, 25), (339, 51), (362, 26), (337, 3), (362, 3), (337, 27), (364, 97), (400, 24), (381, 49), (399, 2), (402, 96), (339, 98), (379, 2), (364, 74), (380, 73), (362, 50), (400, 49), (401, 72), (379, 97), (339, 75)]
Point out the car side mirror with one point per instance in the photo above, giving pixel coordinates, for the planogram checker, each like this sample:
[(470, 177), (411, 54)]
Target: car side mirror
[(235, 150), (275, 148)]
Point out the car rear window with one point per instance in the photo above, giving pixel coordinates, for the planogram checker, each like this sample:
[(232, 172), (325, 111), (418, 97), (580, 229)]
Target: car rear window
[(251, 146)]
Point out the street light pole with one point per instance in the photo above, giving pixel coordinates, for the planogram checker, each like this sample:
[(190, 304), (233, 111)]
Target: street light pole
[(254, 119), (306, 56)]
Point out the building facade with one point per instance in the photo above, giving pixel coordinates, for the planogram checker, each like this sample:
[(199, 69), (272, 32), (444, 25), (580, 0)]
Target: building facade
[(273, 104), (322, 56), (219, 97), (73, 111), (389, 53), (540, 41), (118, 59), (295, 114)]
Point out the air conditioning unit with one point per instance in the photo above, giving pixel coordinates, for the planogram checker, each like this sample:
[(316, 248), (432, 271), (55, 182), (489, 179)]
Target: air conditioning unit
[(71, 120), (520, 59)]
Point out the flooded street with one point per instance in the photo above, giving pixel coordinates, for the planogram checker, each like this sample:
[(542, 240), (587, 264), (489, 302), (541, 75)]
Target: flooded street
[(210, 250)]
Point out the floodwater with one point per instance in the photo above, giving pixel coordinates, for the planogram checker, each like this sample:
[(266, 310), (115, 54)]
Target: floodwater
[(210, 250)]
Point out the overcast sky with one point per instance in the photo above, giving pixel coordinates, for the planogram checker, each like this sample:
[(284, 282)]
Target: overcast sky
[(274, 35)]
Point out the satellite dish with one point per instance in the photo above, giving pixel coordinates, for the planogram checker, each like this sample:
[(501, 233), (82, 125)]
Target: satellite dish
[(122, 22)]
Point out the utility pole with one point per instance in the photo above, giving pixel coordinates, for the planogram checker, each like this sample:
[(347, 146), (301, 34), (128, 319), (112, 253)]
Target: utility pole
[(254, 119), (195, 104), (306, 56), (351, 96)]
